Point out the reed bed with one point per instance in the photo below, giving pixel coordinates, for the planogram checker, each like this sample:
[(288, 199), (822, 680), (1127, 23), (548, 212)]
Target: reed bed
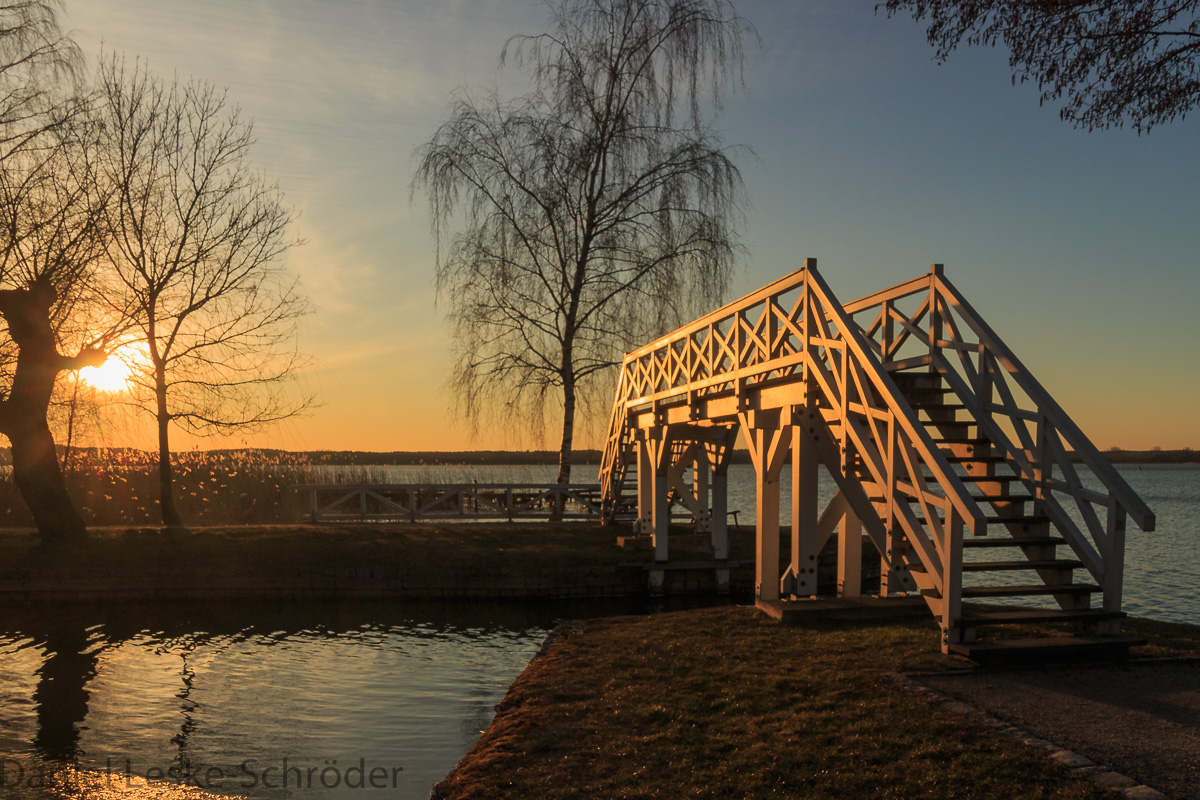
[(117, 486)]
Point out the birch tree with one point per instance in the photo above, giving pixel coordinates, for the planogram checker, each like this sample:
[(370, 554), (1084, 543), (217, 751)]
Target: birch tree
[(600, 209)]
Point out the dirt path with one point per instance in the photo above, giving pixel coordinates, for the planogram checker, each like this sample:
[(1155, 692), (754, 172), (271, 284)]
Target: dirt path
[(1141, 718)]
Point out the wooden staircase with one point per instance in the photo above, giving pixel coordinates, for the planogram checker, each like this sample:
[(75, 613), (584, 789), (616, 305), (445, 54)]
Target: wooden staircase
[(1019, 542), (962, 471)]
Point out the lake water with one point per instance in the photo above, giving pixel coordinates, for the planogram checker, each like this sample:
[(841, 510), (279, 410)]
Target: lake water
[(278, 701), (320, 701)]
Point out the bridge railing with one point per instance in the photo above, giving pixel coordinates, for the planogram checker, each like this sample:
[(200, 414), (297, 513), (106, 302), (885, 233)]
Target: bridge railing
[(794, 332), (428, 501), (928, 322)]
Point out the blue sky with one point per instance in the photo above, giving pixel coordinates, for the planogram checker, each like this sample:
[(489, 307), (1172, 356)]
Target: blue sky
[(1079, 248)]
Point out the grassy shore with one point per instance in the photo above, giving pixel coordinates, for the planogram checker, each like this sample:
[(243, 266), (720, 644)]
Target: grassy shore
[(468, 561), (725, 703)]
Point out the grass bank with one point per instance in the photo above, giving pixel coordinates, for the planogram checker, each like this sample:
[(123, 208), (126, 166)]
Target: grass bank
[(496, 560), (725, 703)]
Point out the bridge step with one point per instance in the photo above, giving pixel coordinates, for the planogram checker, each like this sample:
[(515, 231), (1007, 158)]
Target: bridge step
[(1034, 541), (988, 478), (998, 566), (1002, 498), (1062, 648), (937, 407), (996, 519), (1030, 590), (976, 459), (1030, 616), (974, 441)]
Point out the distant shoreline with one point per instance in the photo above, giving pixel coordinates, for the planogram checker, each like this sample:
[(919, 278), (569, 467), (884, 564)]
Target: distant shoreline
[(593, 457), (550, 457)]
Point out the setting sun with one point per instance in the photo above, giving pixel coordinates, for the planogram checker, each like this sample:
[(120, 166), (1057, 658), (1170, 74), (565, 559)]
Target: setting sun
[(111, 376)]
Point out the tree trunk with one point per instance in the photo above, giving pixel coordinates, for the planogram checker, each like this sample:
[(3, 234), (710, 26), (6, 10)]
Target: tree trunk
[(567, 445), (23, 413), (565, 450), (40, 481), (166, 478)]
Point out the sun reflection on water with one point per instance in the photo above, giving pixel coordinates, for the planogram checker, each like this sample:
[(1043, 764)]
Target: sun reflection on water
[(69, 783)]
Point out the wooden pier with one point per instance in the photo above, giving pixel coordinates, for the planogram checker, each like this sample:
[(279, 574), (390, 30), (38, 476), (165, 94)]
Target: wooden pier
[(947, 453), (414, 502)]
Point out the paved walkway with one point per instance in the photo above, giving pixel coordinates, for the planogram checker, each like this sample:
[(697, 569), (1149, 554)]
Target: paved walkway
[(1140, 718)]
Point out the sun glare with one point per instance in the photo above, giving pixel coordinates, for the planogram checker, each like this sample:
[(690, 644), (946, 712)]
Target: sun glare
[(111, 376)]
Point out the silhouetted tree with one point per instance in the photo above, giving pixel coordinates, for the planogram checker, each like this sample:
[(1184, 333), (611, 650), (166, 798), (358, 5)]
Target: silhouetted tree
[(1111, 61), (591, 213), (49, 247), (198, 237)]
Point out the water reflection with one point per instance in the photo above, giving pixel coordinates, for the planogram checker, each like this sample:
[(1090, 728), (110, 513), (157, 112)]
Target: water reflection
[(61, 696), (274, 700)]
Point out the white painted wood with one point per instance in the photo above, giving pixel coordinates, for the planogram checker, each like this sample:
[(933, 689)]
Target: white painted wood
[(806, 540), (792, 354), (849, 569)]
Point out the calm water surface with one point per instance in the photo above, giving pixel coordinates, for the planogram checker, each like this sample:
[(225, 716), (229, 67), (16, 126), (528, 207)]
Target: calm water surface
[(329, 700)]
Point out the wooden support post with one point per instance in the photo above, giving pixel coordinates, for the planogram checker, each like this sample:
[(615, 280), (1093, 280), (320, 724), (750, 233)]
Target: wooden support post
[(768, 442), (766, 550), (700, 474), (1114, 566), (849, 570), (645, 486), (935, 313), (951, 605), (720, 514), (888, 582), (660, 482), (805, 515), (718, 455)]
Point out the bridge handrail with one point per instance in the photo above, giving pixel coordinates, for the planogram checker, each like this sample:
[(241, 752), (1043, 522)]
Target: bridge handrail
[(956, 492), (830, 311), (1080, 444)]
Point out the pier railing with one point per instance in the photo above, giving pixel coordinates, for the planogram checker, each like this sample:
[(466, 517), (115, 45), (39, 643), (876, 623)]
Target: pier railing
[(415, 502)]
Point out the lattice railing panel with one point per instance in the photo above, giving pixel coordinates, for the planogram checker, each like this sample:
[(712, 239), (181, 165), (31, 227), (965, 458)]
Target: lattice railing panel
[(795, 331)]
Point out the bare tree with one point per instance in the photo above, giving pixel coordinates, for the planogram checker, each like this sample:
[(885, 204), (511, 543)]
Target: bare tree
[(198, 241), (50, 246), (590, 213), (49, 249), (1111, 61)]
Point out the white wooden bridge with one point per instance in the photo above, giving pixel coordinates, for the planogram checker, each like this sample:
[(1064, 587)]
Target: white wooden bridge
[(960, 468)]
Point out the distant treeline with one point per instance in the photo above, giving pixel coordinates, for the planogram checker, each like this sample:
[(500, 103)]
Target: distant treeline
[(1185, 456), (513, 457), (334, 457)]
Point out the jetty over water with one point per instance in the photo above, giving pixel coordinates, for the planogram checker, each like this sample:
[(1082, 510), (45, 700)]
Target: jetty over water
[(962, 472)]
